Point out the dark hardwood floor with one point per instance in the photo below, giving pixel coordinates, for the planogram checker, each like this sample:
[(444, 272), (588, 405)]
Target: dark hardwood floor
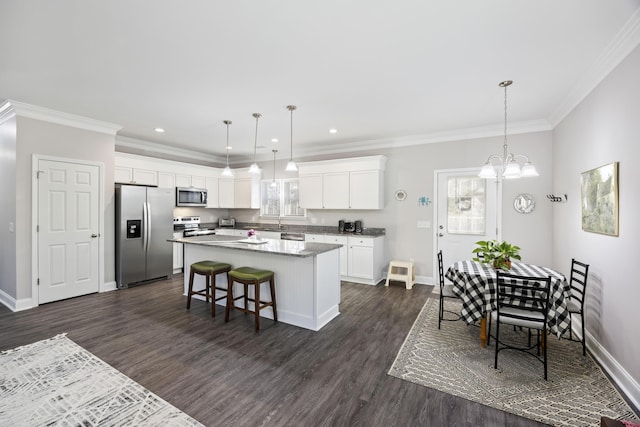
[(226, 374)]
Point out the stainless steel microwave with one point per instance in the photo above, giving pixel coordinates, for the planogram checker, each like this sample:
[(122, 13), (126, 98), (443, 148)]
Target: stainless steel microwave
[(191, 196)]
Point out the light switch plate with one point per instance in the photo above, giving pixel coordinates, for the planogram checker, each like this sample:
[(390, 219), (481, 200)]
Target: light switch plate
[(424, 224)]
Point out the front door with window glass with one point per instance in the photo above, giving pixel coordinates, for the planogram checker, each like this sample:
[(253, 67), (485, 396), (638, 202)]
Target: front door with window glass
[(466, 213)]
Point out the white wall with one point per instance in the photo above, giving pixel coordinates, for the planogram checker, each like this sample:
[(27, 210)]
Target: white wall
[(45, 138), (412, 169), (8, 209), (604, 128)]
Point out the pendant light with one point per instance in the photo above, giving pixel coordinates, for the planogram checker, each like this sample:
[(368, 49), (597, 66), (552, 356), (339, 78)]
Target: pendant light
[(254, 168), (291, 166), (507, 164), (227, 170), (273, 181)]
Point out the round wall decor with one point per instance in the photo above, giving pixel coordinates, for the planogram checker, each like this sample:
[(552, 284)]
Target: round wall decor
[(401, 195), (524, 203)]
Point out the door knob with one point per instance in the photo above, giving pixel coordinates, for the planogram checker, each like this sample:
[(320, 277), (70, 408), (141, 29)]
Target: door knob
[(440, 235), (93, 236)]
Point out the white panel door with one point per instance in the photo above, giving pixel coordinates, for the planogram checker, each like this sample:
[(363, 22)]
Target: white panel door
[(466, 213), (68, 223)]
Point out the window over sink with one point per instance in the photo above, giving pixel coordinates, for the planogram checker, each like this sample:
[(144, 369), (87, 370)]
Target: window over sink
[(280, 198)]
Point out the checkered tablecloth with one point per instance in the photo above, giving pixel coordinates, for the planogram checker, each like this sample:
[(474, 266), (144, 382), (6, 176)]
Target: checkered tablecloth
[(475, 284)]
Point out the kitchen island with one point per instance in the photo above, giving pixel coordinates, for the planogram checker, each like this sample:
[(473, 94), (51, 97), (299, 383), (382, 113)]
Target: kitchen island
[(307, 274)]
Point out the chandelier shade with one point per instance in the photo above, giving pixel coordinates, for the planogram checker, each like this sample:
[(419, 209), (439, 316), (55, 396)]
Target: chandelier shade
[(507, 165)]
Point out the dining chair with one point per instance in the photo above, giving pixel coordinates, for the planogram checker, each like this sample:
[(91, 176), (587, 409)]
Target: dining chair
[(522, 301), (446, 291), (575, 305)]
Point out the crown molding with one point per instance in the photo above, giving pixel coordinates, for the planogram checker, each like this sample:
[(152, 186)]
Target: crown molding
[(624, 42), (47, 115), (167, 150), (6, 111), (529, 126)]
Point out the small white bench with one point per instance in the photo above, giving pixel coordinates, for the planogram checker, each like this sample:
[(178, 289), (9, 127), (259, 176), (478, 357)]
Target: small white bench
[(401, 271)]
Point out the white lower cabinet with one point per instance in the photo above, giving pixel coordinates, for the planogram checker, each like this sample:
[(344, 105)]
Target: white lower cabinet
[(178, 260), (365, 259), (231, 232), (275, 235), (360, 257), (344, 252)]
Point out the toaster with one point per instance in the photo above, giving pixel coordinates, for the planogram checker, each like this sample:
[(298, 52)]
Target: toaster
[(226, 222)]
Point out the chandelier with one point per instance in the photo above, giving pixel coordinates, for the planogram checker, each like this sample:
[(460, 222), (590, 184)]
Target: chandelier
[(507, 164)]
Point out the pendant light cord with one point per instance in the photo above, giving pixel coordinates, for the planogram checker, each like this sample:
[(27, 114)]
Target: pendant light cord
[(255, 142), (291, 108), (227, 122)]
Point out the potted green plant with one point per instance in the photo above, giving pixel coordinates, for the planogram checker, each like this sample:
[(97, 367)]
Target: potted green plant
[(497, 253)]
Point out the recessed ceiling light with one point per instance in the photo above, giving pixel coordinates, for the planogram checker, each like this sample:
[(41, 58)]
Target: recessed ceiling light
[(159, 130), (274, 139), (333, 130)]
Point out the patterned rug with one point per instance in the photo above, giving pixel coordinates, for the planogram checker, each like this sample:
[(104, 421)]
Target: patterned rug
[(57, 382), (451, 360)]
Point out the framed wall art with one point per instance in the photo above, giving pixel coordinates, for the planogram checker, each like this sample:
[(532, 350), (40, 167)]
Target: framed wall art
[(599, 190)]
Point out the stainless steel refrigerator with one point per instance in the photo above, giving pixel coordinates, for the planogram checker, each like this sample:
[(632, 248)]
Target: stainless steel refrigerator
[(144, 224)]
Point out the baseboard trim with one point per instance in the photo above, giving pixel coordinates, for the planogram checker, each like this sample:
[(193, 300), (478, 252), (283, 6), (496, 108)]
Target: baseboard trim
[(627, 385), (109, 286), (13, 304)]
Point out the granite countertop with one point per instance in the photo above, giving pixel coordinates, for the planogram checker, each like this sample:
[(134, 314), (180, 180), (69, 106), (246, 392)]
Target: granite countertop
[(280, 247), (307, 229)]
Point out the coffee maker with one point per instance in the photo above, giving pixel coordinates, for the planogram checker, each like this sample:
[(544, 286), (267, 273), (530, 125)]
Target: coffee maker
[(358, 227), (341, 226)]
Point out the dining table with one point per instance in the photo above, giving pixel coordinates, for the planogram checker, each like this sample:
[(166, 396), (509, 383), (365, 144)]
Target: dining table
[(475, 284)]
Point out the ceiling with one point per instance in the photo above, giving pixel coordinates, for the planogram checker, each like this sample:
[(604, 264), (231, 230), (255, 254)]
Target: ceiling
[(383, 73)]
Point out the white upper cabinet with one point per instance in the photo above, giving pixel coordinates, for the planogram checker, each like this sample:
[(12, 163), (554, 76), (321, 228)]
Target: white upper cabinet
[(366, 189), (225, 193), (211, 184), (335, 190), (133, 175), (355, 183), (166, 179), (198, 181), (183, 180), (311, 191), (242, 193)]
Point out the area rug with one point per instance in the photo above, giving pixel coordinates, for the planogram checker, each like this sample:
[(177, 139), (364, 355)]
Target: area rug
[(451, 360), (57, 382)]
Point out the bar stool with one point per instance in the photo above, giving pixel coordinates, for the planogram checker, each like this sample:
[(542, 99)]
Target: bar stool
[(251, 276), (209, 269), (402, 271)]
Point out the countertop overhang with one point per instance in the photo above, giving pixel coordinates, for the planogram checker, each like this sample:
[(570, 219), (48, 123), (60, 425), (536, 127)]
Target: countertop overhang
[(267, 246)]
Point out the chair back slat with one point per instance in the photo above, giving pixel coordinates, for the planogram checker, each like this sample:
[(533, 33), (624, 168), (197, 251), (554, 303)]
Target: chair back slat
[(578, 280), (440, 270), (529, 293)]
